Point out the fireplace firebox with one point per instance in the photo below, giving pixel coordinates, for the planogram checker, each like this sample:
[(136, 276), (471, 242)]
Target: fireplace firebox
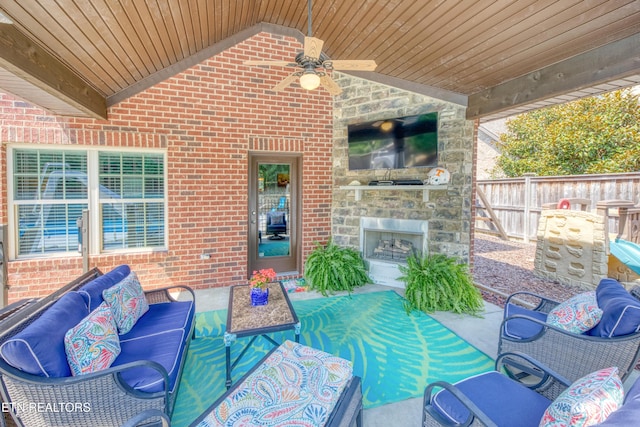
[(386, 243)]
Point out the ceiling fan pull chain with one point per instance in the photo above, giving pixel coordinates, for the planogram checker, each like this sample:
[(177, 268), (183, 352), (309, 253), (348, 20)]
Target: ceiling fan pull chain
[(309, 19)]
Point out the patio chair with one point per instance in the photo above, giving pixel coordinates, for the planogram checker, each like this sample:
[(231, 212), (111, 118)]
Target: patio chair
[(494, 399), (613, 341), (276, 224)]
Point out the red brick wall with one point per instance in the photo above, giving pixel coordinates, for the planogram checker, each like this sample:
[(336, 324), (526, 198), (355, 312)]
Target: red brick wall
[(208, 118)]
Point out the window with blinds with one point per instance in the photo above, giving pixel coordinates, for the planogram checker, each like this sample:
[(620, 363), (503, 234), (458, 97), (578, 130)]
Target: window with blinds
[(51, 188), (131, 200)]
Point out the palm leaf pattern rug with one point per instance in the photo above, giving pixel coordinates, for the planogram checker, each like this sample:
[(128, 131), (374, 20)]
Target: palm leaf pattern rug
[(395, 354)]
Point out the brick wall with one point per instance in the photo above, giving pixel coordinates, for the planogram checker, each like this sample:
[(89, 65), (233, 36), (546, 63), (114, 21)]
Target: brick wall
[(207, 118), (449, 210)]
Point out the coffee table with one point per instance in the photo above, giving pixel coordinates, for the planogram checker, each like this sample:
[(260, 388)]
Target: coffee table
[(245, 320)]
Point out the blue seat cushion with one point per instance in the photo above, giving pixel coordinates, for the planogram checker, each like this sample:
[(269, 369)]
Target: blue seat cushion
[(506, 402), (620, 310), (165, 348), (92, 291), (39, 348), (520, 328), (162, 317)]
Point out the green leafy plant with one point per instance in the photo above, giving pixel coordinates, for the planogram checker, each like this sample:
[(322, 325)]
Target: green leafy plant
[(438, 282), (333, 268)]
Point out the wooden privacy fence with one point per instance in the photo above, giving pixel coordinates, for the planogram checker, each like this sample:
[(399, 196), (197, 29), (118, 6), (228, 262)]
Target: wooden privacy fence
[(516, 203)]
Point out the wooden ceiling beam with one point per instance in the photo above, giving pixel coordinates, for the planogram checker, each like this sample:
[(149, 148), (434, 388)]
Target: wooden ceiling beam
[(28, 61), (609, 62)]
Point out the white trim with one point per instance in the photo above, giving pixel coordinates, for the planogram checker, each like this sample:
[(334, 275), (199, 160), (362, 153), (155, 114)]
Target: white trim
[(93, 194)]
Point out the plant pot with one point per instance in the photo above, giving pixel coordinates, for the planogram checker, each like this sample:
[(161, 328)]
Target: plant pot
[(259, 296)]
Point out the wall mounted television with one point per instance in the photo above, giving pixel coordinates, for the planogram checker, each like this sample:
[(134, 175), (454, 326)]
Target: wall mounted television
[(402, 142)]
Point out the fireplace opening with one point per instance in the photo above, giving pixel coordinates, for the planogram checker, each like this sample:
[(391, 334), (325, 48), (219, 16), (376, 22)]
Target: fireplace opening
[(394, 247), (386, 243)]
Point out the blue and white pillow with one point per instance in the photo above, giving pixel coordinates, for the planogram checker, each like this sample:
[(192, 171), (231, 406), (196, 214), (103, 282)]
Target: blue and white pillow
[(587, 401), (93, 344), (578, 314), (127, 301)]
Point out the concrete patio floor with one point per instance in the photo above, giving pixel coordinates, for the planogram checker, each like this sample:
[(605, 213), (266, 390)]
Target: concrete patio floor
[(482, 332)]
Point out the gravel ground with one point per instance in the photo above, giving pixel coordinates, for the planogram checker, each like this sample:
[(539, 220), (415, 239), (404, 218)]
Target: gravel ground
[(507, 267)]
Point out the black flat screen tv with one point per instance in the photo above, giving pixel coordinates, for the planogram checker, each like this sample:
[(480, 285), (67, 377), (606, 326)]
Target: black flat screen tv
[(402, 142)]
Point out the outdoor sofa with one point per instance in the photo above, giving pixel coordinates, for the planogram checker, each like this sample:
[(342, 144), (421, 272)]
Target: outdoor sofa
[(36, 379), (612, 338)]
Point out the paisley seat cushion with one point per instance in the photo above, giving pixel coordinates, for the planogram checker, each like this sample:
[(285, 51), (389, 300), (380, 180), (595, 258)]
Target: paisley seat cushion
[(295, 383)]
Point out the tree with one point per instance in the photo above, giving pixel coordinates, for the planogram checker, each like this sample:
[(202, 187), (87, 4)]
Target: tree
[(600, 134)]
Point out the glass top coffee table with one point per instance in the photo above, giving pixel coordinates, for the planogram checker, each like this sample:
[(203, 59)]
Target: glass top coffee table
[(245, 320)]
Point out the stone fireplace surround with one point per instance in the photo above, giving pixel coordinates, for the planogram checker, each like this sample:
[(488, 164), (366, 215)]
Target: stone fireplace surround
[(448, 211), (383, 268)]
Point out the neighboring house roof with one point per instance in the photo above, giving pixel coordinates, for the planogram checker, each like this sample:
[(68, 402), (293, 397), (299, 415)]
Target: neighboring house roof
[(488, 146)]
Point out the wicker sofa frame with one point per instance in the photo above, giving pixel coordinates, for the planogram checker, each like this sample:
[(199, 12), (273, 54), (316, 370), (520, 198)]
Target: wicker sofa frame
[(100, 398), (571, 355)]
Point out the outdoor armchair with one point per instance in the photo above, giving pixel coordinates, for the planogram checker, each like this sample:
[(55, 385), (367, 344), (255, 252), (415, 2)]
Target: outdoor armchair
[(491, 398), (614, 341)]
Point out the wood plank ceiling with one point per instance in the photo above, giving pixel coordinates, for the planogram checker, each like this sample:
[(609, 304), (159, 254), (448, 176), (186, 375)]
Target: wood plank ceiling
[(496, 56)]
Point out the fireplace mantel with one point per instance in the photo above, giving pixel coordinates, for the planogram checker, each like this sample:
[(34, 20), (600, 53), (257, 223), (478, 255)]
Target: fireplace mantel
[(359, 189)]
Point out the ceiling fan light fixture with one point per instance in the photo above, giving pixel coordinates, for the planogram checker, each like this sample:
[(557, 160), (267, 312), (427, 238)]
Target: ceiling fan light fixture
[(310, 80)]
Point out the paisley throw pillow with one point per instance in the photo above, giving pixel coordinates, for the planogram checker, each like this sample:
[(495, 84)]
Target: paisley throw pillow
[(127, 301), (93, 344), (587, 401), (578, 314)]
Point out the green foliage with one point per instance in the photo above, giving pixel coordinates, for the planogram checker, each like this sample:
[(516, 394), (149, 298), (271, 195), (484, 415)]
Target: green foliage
[(600, 134), (438, 282), (333, 268)]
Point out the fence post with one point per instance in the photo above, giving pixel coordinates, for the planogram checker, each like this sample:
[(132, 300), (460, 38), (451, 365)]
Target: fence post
[(527, 204)]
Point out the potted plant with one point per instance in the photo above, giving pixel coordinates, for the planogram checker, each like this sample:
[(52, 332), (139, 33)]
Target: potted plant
[(333, 268), (258, 284), (437, 282)]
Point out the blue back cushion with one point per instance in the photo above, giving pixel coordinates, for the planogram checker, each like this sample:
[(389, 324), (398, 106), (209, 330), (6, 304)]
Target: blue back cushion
[(620, 310), (39, 348), (92, 291)]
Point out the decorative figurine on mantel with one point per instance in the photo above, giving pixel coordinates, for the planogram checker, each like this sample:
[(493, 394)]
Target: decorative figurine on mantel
[(258, 284)]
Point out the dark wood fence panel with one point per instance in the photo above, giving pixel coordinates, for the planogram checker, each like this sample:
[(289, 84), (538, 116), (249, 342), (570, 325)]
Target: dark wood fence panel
[(517, 202)]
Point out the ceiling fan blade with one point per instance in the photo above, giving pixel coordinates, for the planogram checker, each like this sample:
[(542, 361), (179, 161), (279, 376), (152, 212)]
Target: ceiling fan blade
[(356, 65), (312, 47), (286, 82), (331, 86), (276, 63)]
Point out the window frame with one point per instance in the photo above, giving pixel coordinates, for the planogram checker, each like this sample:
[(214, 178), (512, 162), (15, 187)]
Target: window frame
[(94, 202)]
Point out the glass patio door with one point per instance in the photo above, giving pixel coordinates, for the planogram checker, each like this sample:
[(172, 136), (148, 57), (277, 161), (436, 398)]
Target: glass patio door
[(273, 213)]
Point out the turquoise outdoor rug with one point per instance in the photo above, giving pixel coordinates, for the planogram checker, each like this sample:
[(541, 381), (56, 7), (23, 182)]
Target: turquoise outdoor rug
[(274, 248), (395, 354)]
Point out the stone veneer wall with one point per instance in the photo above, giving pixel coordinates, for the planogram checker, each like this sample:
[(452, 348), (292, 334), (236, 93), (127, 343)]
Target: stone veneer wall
[(449, 210)]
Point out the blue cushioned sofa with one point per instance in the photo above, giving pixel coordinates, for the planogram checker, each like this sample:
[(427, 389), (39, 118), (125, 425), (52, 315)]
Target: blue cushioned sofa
[(35, 378)]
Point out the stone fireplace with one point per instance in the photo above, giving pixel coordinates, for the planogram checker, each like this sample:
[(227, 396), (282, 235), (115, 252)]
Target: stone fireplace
[(386, 243)]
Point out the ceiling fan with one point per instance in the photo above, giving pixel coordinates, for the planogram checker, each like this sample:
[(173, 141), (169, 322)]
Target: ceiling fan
[(315, 64)]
